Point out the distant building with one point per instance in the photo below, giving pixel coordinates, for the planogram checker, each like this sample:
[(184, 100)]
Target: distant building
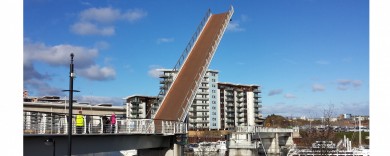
[(140, 107), (239, 105), (203, 112), (347, 116)]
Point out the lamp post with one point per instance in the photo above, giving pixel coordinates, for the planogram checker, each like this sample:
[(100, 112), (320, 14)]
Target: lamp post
[(50, 142), (71, 77)]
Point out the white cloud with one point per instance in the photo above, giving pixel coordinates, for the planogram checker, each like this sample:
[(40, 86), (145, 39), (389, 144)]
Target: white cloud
[(86, 28), (102, 45), (100, 21), (345, 84), (315, 110), (100, 99), (235, 27), (289, 96), (58, 55), (165, 40), (317, 88), (95, 72), (103, 15), (154, 71), (275, 92), (134, 15)]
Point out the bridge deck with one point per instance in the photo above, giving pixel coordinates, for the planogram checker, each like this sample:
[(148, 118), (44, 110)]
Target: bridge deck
[(175, 102)]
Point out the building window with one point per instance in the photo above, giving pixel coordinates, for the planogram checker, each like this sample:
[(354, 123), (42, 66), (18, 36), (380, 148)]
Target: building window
[(214, 124), (213, 96), (213, 80)]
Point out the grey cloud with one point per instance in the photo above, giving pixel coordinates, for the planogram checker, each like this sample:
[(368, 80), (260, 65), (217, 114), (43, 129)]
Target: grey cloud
[(317, 88), (289, 96), (345, 84), (275, 92), (42, 88)]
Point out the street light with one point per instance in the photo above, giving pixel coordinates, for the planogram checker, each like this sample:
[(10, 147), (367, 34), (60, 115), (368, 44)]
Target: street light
[(71, 77), (51, 142)]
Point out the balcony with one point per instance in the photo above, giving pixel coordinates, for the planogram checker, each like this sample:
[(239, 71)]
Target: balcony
[(241, 116), (229, 94), (230, 115), (200, 104), (241, 120), (165, 81), (229, 99), (230, 105), (256, 91), (198, 121), (241, 110), (202, 98), (229, 121), (136, 107), (204, 87), (240, 105), (230, 110), (239, 95), (136, 112), (203, 93), (137, 101)]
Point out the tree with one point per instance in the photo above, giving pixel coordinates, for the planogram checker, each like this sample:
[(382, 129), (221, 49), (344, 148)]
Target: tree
[(323, 134)]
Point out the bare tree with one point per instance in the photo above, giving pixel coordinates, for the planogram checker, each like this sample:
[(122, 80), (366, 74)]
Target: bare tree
[(323, 135)]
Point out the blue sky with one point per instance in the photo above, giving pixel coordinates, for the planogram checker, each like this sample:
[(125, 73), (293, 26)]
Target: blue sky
[(306, 55)]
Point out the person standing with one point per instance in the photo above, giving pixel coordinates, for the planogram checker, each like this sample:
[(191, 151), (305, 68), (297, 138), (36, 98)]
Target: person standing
[(113, 122), (79, 122)]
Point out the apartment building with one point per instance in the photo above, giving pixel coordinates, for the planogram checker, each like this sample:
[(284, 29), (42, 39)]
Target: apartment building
[(239, 105), (203, 113), (140, 107)]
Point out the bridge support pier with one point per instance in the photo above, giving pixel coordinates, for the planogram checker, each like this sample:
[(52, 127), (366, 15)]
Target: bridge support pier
[(274, 147), (175, 150)]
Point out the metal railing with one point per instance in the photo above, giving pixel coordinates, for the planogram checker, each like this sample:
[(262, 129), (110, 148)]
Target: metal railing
[(46, 123), (255, 129), (183, 56)]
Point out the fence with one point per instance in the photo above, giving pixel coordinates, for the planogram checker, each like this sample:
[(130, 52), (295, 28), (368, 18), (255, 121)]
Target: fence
[(48, 123)]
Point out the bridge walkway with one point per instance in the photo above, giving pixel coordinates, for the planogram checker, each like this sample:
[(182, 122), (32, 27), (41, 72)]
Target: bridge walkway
[(175, 105)]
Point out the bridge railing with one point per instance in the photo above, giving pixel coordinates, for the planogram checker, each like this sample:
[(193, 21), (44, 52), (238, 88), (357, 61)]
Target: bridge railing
[(192, 93), (255, 129), (46, 123), (183, 56)]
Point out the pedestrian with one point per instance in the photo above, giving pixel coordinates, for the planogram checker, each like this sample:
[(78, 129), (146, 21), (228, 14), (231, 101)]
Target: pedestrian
[(113, 122), (79, 122), (106, 124)]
